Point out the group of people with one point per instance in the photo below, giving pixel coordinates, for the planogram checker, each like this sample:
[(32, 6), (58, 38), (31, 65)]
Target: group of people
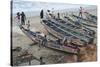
[(21, 18), (50, 14)]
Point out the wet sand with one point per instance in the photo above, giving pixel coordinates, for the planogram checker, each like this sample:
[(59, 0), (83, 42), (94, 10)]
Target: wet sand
[(49, 56)]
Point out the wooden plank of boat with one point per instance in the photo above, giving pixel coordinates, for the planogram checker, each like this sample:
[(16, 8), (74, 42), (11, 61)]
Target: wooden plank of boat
[(91, 18), (71, 32), (52, 29), (66, 48), (85, 26), (34, 37), (91, 15), (77, 24), (85, 22), (74, 27), (60, 34)]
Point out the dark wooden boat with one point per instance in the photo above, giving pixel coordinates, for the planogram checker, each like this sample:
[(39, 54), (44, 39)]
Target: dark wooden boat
[(76, 27), (35, 36), (84, 29), (85, 22), (61, 31), (91, 17)]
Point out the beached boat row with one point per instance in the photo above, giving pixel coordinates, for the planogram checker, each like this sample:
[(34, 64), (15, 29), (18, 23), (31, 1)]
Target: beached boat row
[(61, 32), (74, 27), (75, 31)]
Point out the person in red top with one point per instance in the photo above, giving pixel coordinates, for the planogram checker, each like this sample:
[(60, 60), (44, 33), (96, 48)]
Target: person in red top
[(18, 15), (18, 18), (80, 11)]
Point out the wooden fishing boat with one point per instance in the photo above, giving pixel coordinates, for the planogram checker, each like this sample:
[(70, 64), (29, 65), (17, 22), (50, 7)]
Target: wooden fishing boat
[(61, 31), (91, 17), (85, 22), (85, 30), (76, 27), (34, 36)]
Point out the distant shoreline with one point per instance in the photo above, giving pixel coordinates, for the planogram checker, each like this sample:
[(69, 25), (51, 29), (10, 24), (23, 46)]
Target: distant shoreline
[(37, 13)]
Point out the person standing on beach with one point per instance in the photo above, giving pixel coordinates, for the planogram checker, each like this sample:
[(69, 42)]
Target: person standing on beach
[(18, 18), (53, 15), (41, 14), (52, 10), (44, 41), (58, 15), (28, 25), (80, 11), (48, 15), (23, 18)]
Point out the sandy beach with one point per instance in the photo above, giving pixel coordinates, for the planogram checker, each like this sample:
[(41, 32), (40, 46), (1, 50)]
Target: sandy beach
[(50, 56)]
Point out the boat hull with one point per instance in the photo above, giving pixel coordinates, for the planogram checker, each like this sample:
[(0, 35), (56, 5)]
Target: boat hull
[(74, 40), (52, 45)]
